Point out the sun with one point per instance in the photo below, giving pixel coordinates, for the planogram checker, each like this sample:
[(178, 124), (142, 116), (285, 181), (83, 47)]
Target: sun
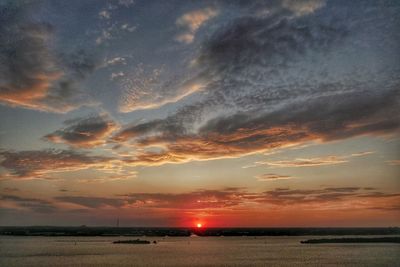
[(199, 225)]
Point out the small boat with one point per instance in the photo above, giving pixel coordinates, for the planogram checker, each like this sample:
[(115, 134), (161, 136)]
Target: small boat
[(135, 241)]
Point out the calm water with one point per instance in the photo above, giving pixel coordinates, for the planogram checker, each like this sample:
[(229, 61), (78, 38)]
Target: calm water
[(191, 251)]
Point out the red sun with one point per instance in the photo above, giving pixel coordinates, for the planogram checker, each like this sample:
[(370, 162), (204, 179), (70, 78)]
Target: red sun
[(199, 225)]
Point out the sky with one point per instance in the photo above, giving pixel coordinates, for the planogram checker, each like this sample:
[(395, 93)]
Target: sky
[(232, 113)]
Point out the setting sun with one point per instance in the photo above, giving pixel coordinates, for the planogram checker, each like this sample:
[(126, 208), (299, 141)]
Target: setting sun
[(199, 225)]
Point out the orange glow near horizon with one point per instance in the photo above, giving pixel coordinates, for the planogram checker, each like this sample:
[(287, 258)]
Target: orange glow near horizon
[(199, 225)]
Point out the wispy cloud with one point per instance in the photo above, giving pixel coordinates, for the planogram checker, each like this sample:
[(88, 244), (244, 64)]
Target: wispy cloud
[(115, 61), (111, 27), (331, 160), (147, 88), (273, 177), (394, 162), (303, 7), (310, 162)]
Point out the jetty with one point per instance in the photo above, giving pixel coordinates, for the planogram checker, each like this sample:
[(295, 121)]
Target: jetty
[(388, 239), (135, 241)]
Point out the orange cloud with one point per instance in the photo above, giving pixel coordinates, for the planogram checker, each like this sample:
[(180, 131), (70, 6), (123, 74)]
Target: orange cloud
[(192, 21), (246, 133)]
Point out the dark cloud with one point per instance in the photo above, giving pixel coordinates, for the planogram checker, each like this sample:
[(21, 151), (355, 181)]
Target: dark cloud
[(387, 208), (200, 199), (32, 74), (33, 204), (325, 118), (10, 189), (227, 198), (233, 197), (344, 189), (254, 46), (84, 132), (139, 130), (194, 200), (38, 163), (92, 202), (320, 196), (248, 39), (267, 85)]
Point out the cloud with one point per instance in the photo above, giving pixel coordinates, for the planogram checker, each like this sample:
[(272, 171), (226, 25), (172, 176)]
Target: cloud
[(116, 75), (361, 154), (272, 177), (33, 204), (128, 28), (10, 189), (105, 14), (111, 27), (310, 162), (241, 61), (201, 199), (126, 3), (327, 196), (233, 198), (33, 75), (303, 7), (105, 35), (340, 116), (84, 132), (150, 88), (330, 160), (92, 202), (185, 38), (192, 21), (265, 84), (238, 135), (394, 162), (116, 61), (117, 174), (34, 164)]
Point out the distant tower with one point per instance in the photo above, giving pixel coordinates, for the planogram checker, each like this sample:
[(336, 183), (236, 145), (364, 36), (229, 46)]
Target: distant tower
[(117, 222)]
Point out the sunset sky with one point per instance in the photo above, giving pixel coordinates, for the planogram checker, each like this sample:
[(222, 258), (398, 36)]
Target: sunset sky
[(224, 113)]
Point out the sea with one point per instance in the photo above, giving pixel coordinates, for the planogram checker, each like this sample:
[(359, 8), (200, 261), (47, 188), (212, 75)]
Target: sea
[(191, 251)]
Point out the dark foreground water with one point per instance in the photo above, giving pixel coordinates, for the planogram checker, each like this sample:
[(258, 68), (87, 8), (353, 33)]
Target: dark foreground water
[(191, 251)]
